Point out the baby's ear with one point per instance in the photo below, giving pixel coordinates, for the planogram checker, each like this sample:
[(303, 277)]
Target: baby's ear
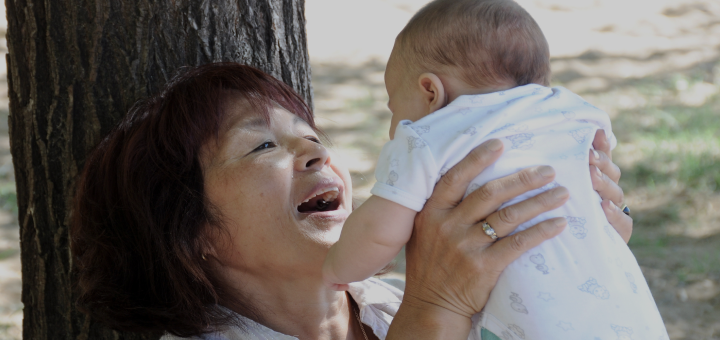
[(433, 91)]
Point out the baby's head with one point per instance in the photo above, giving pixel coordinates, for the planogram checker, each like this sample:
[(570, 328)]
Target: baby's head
[(457, 47)]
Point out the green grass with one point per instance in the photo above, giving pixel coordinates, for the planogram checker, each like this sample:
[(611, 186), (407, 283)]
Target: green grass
[(8, 253), (671, 151), (675, 144), (365, 102), (648, 241), (8, 198), (703, 263), (669, 154)]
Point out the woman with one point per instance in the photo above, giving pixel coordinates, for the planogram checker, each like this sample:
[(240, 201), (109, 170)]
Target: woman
[(206, 213)]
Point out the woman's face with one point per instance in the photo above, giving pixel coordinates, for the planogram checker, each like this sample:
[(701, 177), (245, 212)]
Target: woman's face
[(281, 197)]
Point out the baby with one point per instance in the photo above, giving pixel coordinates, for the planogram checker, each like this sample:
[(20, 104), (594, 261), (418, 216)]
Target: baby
[(465, 71)]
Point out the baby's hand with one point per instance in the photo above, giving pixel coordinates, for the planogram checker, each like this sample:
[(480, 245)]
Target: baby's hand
[(330, 280)]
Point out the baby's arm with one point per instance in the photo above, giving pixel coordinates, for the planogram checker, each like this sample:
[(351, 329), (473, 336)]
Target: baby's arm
[(371, 237)]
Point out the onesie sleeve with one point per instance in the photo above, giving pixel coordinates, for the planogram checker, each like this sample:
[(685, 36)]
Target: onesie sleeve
[(406, 172)]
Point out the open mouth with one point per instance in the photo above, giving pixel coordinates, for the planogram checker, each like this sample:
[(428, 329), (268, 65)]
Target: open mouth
[(324, 200)]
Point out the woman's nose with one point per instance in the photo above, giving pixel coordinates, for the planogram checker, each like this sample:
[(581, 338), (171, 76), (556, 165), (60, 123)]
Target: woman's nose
[(311, 156)]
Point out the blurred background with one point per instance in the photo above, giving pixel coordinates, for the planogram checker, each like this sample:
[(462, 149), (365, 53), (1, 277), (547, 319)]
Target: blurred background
[(653, 65)]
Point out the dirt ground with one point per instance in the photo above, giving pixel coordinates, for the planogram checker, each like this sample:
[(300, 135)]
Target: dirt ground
[(653, 65)]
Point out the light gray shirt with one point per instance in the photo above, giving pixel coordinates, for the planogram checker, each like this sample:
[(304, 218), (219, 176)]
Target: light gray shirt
[(378, 302)]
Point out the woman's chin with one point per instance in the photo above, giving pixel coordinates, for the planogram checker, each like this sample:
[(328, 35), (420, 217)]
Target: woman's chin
[(326, 220), (325, 229), (333, 235)]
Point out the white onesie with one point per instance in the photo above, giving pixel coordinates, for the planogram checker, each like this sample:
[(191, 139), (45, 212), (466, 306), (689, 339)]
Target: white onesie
[(583, 284)]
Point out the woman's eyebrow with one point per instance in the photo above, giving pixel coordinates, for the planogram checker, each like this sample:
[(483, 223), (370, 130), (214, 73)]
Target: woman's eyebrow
[(254, 123), (261, 122)]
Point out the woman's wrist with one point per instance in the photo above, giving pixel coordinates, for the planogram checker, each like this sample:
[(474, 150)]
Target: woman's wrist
[(418, 319)]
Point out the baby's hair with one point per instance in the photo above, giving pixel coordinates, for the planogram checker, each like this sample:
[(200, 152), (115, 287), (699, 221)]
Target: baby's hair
[(487, 43)]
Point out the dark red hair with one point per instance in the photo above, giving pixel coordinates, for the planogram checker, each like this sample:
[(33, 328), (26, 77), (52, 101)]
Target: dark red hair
[(141, 219)]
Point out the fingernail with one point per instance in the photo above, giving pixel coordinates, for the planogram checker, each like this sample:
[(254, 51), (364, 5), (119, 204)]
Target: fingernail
[(494, 145), (598, 171), (546, 171), (560, 222), (560, 192), (595, 154)]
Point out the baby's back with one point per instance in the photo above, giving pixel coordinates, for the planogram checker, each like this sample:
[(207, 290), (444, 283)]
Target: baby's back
[(584, 283)]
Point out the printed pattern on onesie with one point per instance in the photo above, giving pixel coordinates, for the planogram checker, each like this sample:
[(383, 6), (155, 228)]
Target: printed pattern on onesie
[(584, 283)]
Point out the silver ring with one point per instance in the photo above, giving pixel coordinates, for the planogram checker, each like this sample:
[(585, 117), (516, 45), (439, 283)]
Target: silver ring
[(489, 231)]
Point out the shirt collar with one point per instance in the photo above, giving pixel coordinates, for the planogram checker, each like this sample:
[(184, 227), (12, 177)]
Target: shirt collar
[(377, 300), (378, 303)]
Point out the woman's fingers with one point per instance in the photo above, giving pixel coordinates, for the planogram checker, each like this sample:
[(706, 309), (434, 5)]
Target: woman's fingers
[(486, 199), (606, 187), (606, 166), (508, 249), (605, 176), (622, 223), (505, 220), (452, 186), (600, 143)]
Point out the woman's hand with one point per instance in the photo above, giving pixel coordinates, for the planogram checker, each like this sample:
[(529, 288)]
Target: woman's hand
[(605, 176), (452, 265)]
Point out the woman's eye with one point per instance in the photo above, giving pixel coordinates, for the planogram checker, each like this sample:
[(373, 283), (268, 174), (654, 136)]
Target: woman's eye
[(314, 139), (264, 146)]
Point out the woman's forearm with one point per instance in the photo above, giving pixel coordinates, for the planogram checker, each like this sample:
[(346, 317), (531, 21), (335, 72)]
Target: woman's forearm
[(423, 321)]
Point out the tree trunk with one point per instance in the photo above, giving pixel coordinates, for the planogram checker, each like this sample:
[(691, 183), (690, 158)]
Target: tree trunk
[(75, 67)]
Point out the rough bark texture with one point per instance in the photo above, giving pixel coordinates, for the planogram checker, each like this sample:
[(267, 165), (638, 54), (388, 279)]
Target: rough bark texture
[(74, 68)]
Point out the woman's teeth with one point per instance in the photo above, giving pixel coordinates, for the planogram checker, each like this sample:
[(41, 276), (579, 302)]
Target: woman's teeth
[(328, 195), (323, 200)]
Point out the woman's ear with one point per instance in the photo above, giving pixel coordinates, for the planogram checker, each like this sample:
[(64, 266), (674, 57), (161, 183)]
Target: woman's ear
[(212, 239), (433, 91), (208, 253)]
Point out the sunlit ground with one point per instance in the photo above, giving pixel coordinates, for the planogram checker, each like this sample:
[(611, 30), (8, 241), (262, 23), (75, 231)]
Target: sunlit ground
[(653, 65)]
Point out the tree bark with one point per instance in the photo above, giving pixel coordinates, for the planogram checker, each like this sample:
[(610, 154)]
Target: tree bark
[(75, 67)]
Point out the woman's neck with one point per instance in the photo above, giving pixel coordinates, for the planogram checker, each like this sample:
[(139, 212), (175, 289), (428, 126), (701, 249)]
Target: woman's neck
[(301, 307)]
